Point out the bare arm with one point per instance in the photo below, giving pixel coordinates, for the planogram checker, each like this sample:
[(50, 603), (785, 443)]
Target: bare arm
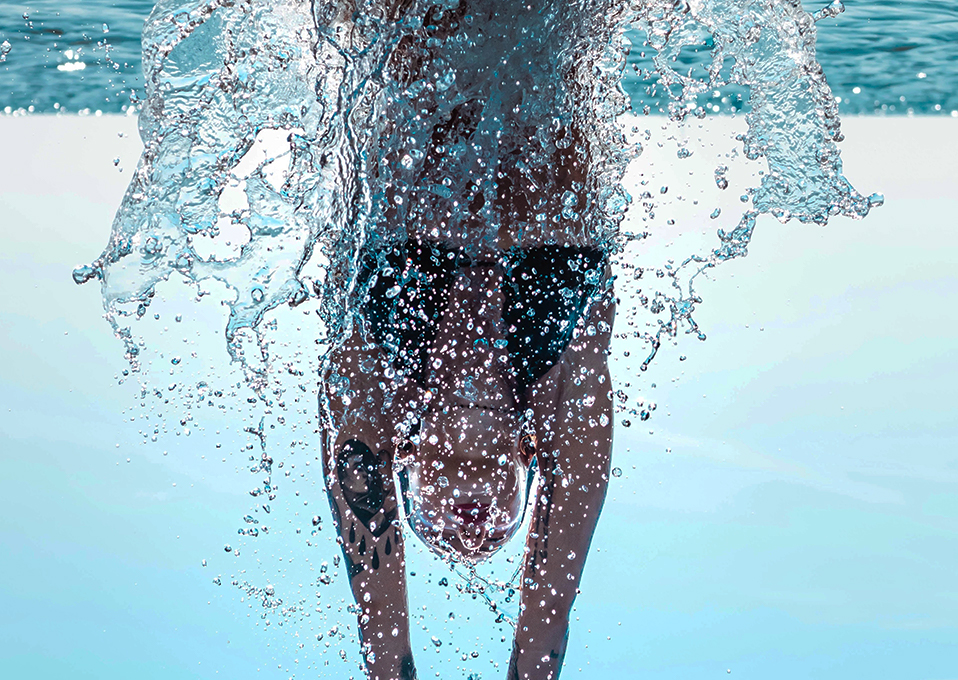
[(573, 408), (357, 464)]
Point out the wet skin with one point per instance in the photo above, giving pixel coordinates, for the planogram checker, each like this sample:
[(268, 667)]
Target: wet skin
[(571, 407), (571, 417)]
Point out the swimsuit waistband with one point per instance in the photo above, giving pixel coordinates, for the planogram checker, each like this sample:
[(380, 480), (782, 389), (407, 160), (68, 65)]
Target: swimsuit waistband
[(546, 291)]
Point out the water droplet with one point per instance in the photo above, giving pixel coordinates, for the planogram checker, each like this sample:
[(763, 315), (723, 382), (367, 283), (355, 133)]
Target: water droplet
[(84, 273), (829, 11), (616, 472), (152, 246), (720, 181)]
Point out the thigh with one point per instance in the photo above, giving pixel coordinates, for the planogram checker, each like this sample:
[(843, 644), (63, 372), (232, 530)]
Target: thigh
[(549, 291), (407, 294), (355, 392)]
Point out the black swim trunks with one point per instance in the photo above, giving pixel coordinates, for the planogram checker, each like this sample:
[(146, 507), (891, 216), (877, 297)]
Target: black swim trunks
[(546, 291)]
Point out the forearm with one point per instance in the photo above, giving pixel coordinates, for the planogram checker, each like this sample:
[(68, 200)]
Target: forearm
[(364, 506), (572, 407), (380, 593), (558, 544)]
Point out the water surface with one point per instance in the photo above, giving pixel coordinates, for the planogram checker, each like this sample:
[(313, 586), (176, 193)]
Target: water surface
[(880, 56)]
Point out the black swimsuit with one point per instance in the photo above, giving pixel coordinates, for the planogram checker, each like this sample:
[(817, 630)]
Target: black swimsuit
[(546, 292)]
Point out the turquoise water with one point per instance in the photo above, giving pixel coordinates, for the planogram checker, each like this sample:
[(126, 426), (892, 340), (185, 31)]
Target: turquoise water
[(790, 520), (880, 56), (802, 524)]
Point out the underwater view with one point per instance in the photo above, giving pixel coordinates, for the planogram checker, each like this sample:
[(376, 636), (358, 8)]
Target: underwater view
[(467, 339)]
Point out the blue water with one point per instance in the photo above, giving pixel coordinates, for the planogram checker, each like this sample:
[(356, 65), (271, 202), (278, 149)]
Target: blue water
[(880, 56), (801, 546)]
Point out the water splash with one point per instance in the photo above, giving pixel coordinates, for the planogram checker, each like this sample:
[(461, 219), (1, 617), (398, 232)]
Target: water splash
[(283, 143), (278, 143), (793, 123)]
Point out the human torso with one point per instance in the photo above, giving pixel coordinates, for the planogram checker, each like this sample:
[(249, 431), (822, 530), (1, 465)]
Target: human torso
[(485, 147)]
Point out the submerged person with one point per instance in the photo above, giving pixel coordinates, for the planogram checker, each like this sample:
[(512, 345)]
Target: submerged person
[(479, 344)]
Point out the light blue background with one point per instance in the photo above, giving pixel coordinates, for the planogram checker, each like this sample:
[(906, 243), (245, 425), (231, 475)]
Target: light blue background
[(804, 524)]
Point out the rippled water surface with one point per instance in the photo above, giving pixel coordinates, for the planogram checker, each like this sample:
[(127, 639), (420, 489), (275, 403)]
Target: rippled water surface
[(892, 56)]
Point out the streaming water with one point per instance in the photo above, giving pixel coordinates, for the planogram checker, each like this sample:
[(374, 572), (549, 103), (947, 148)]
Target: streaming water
[(279, 143), (286, 141)]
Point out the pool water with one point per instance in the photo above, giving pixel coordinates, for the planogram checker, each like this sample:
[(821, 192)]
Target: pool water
[(880, 56), (788, 511)]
